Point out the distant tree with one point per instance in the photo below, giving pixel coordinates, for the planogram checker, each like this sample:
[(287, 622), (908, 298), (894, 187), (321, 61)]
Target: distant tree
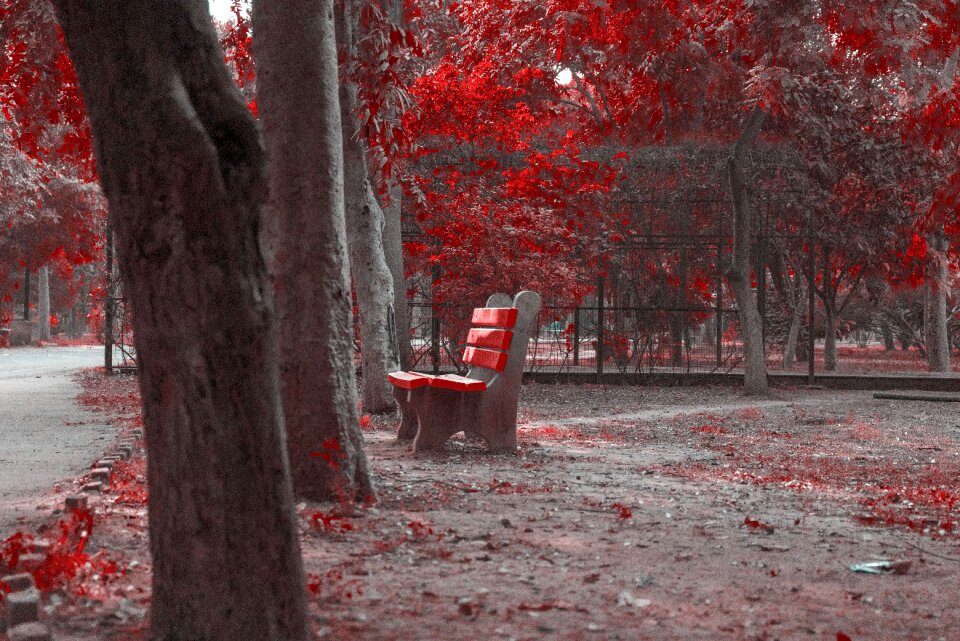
[(372, 279), (183, 169), (51, 208)]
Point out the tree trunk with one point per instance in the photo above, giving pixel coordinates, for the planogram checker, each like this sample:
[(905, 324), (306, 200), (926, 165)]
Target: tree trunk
[(935, 320), (372, 279), (790, 350), (829, 338), (676, 339), (299, 109), (888, 343), (183, 169), (43, 303), (738, 275), (392, 229), (393, 253), (829, 317)]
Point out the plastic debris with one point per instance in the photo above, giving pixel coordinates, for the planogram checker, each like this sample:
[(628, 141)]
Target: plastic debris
[(882, 567), (627, 599)]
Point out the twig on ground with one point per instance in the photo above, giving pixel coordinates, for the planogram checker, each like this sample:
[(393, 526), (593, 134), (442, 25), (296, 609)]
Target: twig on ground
[(934, 554)]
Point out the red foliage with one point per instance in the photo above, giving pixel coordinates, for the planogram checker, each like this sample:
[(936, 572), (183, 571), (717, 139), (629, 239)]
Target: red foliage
[(330, 522), (756, 524), (893, 491), (65, 563)]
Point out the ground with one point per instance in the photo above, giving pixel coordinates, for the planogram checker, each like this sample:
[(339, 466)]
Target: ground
[(629, 513), (43, 437)]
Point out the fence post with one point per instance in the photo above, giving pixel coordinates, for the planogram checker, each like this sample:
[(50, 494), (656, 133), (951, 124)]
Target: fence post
[(576, 336), (600, 320), (762, 290), (719, 338), (435, 321), (108, 302), (811, 299)]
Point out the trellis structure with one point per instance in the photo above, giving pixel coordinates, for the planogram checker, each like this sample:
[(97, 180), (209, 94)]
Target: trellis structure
[(632, 325)]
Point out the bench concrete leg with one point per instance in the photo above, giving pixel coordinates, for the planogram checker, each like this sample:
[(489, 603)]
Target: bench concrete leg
[(498, 423), (501, 440), (408, 415), (439, 411)]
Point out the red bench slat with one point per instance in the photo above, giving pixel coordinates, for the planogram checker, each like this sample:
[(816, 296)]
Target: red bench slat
[(409, 380), (457, 383), (492, 338), (485, 358), (495, 316)]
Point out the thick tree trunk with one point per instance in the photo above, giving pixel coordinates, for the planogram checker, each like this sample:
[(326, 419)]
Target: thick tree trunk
[(935, 319), (43, 303), (299, 109), (183, 170), (393, 253), (888, 342), (372, 279), (790, 350), (738, 275)]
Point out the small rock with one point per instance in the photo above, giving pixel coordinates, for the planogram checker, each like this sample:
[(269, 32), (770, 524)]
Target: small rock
[(72, 503), (104, 463), (137, 433), (18, 582), (625, 598), (506, 523), (92, 487), (29, 632), (22, 607)]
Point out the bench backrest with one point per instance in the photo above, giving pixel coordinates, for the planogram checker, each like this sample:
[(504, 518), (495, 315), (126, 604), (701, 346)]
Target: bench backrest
[(490, 337), (497, 342)]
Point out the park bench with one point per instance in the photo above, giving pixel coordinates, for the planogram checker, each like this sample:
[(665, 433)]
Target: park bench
[(484, 402)]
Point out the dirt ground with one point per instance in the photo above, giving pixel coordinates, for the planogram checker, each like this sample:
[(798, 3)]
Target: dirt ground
[(628, 514)]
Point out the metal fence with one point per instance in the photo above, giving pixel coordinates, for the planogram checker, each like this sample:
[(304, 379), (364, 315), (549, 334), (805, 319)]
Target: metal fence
[(596, 337)]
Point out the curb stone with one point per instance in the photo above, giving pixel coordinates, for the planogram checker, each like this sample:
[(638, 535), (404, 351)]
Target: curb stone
[(18, 582), (23, 607), (29, 632)]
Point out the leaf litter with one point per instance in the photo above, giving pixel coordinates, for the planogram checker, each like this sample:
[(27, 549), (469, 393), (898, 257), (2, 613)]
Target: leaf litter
[(619, 529)]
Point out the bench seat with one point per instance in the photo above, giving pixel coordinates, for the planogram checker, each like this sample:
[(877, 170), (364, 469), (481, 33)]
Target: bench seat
[(458, 383), (414, 380), (409, 380)]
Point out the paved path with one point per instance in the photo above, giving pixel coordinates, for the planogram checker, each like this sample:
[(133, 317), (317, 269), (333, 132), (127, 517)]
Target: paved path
[(45, 437)]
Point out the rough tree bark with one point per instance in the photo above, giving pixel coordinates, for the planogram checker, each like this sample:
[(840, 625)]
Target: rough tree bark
[(935, 310), (829, 299), (738, 275), (393, 253), (183, 169), (888, 342), (829, 338), (796, 320), (295, 50), (392, 232), (43, 303), (372, 279)]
